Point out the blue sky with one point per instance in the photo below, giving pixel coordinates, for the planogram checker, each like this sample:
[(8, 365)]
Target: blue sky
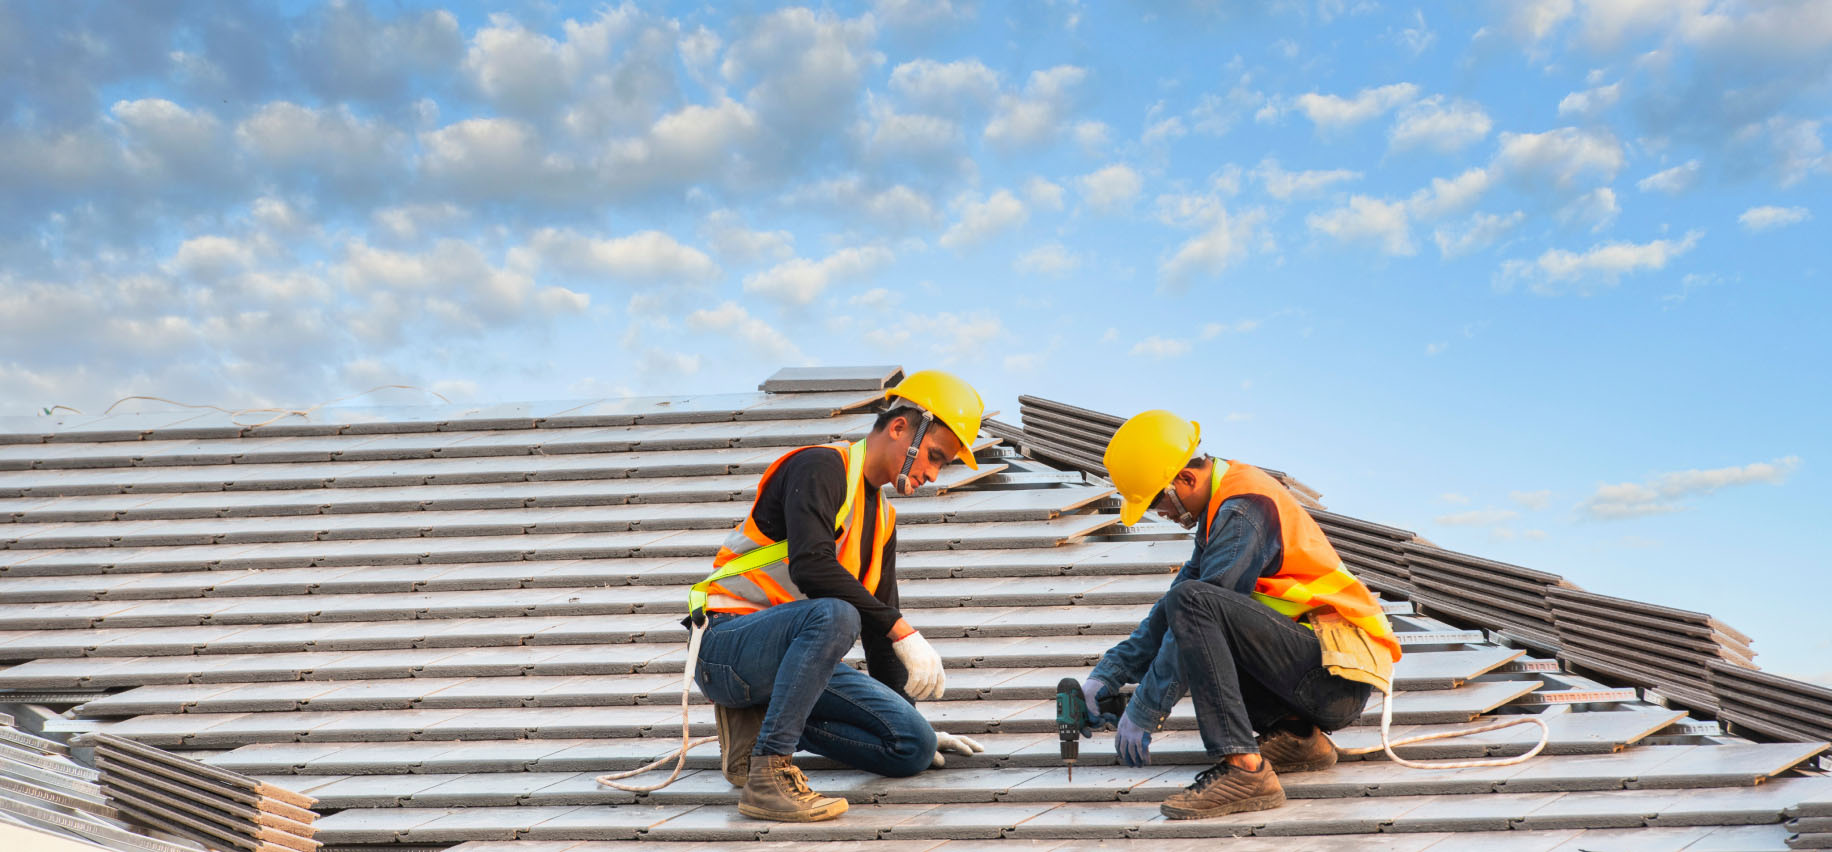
[(1544, 281)]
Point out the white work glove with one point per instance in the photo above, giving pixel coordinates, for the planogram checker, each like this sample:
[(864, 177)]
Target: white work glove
[(924, 665), (948, 742)]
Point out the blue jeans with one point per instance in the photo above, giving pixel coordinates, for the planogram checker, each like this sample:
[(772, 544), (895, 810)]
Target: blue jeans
[(789, 657), (1247, 667)]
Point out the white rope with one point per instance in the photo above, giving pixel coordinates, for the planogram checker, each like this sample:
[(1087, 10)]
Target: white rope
[(1387, 744), (679, 755), (278, 413)]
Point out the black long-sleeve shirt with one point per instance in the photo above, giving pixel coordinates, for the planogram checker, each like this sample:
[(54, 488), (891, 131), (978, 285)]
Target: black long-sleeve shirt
[(800, 503)]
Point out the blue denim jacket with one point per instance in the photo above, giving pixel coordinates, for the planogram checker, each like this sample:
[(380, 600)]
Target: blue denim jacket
[(1244, 548)]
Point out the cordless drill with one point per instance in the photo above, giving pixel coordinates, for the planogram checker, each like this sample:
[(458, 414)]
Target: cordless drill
[(1073, 714)]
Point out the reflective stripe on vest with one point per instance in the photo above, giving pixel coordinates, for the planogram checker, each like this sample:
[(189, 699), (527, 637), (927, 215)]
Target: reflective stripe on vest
[(1311, 575), (751, 571)]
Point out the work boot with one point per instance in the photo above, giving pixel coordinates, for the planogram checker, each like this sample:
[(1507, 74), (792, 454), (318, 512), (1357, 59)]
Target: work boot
[(1288, 751), (777, 790), (1226, 789), (738, 727)]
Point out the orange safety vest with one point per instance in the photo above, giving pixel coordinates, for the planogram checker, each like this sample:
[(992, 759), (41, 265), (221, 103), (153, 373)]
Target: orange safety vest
[(751, 571), (1311, 576)]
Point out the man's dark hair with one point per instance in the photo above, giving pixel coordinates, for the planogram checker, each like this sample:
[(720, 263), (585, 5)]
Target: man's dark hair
[(1198, 461), (909, 415)]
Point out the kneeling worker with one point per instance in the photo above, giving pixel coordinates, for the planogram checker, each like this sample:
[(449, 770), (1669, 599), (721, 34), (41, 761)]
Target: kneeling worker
[(811, 569), (1240, 626)]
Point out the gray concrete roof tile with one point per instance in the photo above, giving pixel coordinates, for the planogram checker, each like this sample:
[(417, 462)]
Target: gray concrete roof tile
[(607, 822)]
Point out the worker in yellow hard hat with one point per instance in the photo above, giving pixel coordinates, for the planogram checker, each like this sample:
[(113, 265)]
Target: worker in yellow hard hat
[(1235, 628), (810, 570)]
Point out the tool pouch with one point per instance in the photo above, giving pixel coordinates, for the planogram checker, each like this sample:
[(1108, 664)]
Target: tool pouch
[(1349, 653)]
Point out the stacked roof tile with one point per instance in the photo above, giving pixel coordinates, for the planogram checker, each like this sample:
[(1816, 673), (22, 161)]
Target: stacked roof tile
[(442, 622)]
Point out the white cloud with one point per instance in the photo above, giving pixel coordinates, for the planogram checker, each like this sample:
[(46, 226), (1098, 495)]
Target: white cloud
[(1445, 196), (1534, 500), (1047, 259), (1663, 493), (799, 281), (1112, 188), (945, 88), (1042, 193), (809, 68), (497, 158), (1224, 237), (1091, 135), (1533, 20), (1671, 181), (1482, 230), (982, 220), (1038, 115), (1332, 112), (728, 237), (898, 209), (758, 337), (1213, 330), (950, 338), (1766, 217), (410, 222), (1160, 348), (1590, 103), (1163, 131), (1440, 125), (1557, 270), (1560, 156), (166, 141), (1436, 348), (646, 257), (693, 144), (1284, 185), (1416, 38), (1596, 210), (1454, 497), (1365, 219), (1477, 517)]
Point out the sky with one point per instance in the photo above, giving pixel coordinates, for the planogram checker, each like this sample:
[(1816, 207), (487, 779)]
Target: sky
[(1543, 281)]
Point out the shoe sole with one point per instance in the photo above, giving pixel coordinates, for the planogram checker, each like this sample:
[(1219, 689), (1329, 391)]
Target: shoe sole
[(810, 815), (1309, 766), (1257, 803)]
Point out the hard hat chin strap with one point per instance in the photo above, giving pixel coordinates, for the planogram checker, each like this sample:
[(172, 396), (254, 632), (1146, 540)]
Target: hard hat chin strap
[(1184, 518), (909, 458)]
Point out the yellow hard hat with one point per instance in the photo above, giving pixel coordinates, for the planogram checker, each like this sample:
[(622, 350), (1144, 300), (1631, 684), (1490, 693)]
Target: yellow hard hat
[(1145, 455), (952, 401)]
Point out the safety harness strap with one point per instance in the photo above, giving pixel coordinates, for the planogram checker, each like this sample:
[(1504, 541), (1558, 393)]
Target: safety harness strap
[(777, 551)]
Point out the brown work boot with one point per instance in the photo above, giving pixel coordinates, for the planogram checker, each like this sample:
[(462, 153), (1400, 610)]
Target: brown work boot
[(777, 790), (738, 727), (1226, 789), (1289, 752)]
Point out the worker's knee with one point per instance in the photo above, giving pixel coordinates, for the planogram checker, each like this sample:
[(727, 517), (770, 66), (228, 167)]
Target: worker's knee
[(832, 617), (911, 750)]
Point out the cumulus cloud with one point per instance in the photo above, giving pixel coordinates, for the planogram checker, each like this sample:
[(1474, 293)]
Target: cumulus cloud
[(1365, 219), (945, 88), (808, 68), (1559, 271), (1534, 500), (1051, 259), (1671, 181), (1160, 348), (1284, 185), (1439, 125), (1444, 196), (1591, 102), (727, 236), (1043, 194), (1333, 112), (322, 143), (1222, 237), (643, 258), (1663, 494), (1596, 210), (1766, 217), (897, 208), (1480, 232), (1040, 113), (1561, 156), (696, 143), (982, 220), (759, 337), (800, 281), (1112, 188), (345, 53)]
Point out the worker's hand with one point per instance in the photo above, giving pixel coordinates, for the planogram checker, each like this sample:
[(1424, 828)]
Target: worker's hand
[(924, 665), (1090, 692), (945, 741), (1133, 743)]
